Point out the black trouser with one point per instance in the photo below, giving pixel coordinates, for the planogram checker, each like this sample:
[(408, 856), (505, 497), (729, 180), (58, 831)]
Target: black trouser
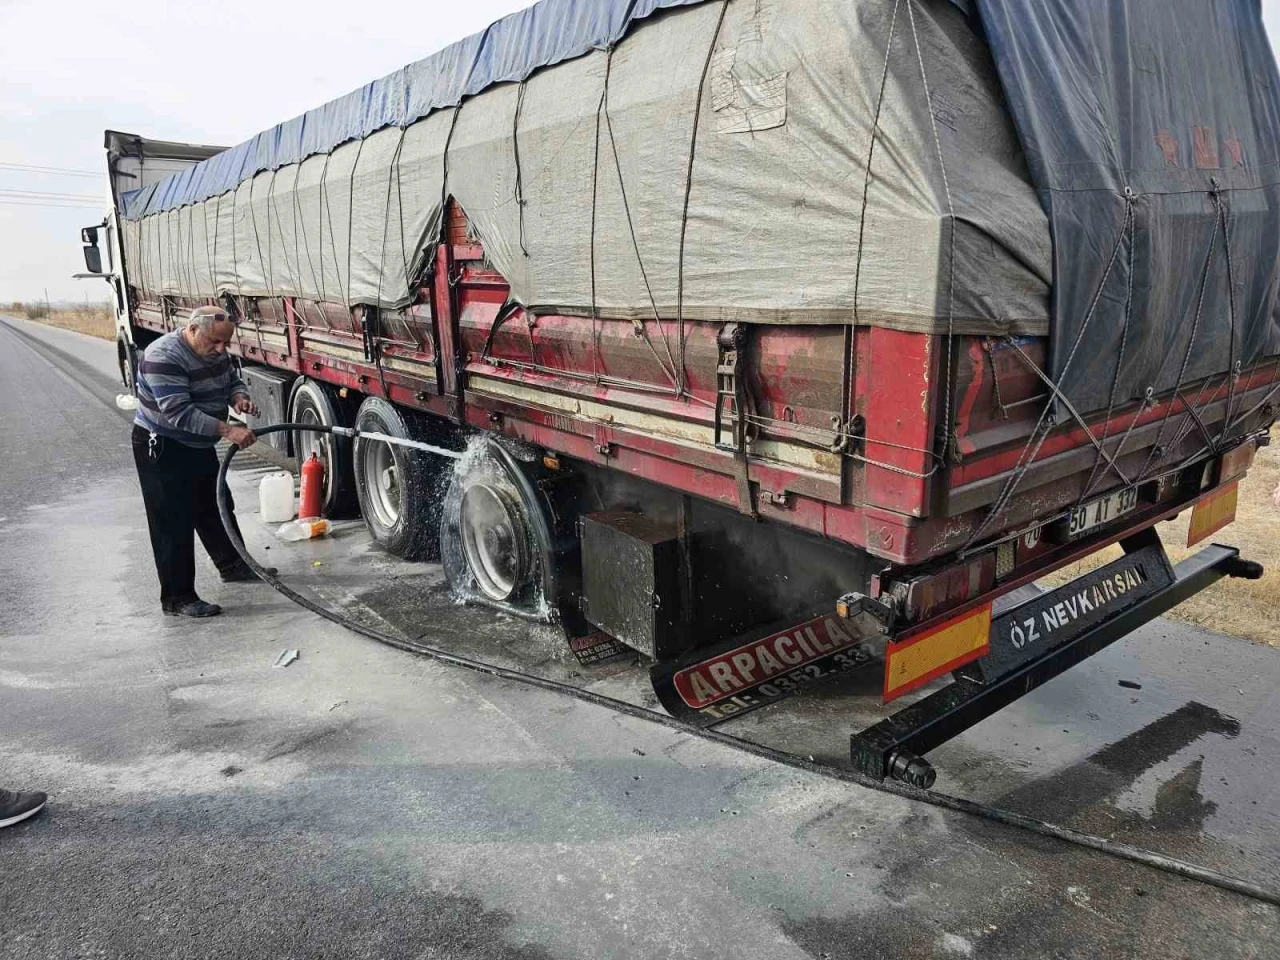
[(179, 488)]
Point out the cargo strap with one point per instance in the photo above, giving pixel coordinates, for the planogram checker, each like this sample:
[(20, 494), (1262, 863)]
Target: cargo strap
[(371, 333), (731, 411)]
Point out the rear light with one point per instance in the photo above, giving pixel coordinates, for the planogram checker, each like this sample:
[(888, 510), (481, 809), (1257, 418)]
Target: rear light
[(915, 660), (1006, 558), (932, 593)]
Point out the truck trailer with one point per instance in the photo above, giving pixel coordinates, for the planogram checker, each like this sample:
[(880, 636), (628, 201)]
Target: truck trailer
[(783, 337)]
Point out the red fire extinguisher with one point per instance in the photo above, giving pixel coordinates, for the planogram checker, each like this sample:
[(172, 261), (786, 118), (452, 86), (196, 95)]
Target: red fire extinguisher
[(311, 493)]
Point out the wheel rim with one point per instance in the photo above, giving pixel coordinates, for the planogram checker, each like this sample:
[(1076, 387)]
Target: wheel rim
[(307, 443), (494, 541), (381, 481)]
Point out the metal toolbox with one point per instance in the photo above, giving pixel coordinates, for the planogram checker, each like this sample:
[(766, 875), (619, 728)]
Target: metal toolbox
[(632, 572)]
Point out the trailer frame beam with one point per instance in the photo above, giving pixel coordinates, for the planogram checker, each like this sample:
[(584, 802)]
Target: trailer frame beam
[(895, 746)]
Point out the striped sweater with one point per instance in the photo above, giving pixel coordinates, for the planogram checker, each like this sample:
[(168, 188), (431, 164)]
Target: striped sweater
[(182, 395)]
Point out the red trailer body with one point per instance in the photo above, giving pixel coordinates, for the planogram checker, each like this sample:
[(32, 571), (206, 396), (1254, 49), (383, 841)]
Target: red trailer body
[(841, 424)]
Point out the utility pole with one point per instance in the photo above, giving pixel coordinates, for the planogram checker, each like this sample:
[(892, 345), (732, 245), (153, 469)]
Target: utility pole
[(48, 312)]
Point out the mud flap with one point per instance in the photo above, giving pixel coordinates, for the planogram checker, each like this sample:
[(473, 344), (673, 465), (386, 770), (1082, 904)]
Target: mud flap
[(741, 674)]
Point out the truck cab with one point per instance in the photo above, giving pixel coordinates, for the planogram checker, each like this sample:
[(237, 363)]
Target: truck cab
[(132, 162)]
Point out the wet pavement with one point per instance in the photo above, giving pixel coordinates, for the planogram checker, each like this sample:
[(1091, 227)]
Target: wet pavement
[(363, 802)]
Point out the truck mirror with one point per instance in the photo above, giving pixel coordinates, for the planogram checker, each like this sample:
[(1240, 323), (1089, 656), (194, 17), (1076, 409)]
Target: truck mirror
[(92, 255)]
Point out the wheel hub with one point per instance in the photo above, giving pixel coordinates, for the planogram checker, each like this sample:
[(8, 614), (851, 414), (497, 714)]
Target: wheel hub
[(495, 540), (382, 481)]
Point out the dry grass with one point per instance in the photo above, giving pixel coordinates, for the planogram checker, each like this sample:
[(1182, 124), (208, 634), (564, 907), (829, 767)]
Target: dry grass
[(1244, 608), (95, 319)]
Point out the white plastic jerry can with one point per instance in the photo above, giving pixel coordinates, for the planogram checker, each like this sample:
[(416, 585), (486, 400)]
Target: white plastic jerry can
[(275, 497)]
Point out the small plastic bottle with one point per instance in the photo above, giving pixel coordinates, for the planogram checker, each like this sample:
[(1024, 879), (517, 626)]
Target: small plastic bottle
[(304, 529)]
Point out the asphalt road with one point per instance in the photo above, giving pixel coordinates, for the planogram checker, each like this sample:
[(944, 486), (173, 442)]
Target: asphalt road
[(366, 803)]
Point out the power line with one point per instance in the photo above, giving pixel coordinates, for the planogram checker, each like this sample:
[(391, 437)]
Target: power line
[(36, 168), (48, 195), (53, 204)]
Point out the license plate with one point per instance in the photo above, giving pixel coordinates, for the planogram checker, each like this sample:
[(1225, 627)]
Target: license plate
[(1038, 626), (1097, 512)]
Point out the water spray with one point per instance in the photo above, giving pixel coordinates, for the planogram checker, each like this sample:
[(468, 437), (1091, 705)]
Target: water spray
[(353, 434)]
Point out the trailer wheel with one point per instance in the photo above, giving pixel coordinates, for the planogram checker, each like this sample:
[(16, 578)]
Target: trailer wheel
[(313, 403), (489, 541), (507, 535), (399, 487)]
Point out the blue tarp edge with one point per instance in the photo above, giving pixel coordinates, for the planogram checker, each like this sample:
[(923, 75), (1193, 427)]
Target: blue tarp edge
[(509, 50)]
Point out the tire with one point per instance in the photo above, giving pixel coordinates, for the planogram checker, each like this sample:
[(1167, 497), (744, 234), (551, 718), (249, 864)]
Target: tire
[(400, 488), (312, 402), (127, 357)]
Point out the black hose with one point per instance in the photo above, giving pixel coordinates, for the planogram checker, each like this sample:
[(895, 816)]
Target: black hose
[(1112, 848)]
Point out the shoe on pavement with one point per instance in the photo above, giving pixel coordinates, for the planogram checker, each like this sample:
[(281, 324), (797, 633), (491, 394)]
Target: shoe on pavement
[(16, 807), (191, 608), (245, 574)]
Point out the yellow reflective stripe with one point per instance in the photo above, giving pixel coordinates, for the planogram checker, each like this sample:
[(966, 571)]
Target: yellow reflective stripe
[(1212, 514), (923, 655)]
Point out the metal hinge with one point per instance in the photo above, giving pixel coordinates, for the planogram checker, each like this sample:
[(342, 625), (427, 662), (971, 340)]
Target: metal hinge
[(731, 408), (368, 332), (730, 390)]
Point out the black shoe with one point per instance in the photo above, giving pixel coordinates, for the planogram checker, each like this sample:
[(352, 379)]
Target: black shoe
[(16, 807), (245, 574), (191, 608)]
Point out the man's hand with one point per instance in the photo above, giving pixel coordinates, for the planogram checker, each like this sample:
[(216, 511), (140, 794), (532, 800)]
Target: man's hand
[(241, 436), (242, 404)]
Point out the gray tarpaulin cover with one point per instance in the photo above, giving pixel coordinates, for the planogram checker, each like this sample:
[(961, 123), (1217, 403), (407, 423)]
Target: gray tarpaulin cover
[(567, 134), (1168, 99)]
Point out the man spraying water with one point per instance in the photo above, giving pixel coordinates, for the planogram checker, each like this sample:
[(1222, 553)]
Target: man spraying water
[(185, 384)]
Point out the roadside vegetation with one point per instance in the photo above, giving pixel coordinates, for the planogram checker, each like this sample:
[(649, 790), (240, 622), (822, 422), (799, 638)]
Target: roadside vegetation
[(95, 319), (1244, 608)]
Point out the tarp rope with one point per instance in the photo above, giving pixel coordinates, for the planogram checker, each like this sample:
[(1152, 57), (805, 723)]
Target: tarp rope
[(947, 429), (1047, 419), (939, 459), (515, 149), (1094, 475), (688, 192), (595, 189), (641, 328), (1193, 416), (1155, 454)]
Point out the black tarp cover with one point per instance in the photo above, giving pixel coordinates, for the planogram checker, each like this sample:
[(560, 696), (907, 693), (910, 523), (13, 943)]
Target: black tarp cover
[(1168, 99)]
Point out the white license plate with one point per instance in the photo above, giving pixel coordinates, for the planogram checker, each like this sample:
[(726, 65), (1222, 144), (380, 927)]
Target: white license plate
[(1095, 513)]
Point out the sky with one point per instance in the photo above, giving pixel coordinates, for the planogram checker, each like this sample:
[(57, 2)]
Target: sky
[(207, 73), (214, 73)]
